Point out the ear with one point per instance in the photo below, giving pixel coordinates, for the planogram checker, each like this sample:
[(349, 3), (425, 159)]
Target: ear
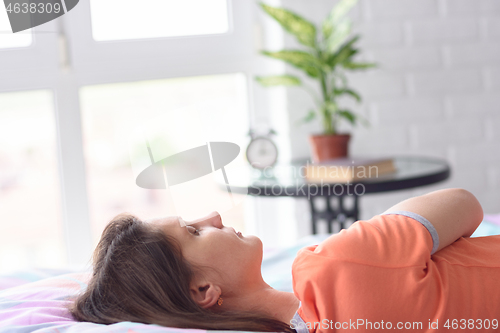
[(206, 294)]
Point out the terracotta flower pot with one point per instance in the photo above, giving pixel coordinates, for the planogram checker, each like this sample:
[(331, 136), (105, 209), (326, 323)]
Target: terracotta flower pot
[(326, 147)]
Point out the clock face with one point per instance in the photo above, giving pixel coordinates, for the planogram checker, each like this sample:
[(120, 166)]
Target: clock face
[(262, 153)]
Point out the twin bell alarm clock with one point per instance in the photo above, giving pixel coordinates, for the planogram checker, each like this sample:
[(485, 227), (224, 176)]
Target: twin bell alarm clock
[(261, 151)]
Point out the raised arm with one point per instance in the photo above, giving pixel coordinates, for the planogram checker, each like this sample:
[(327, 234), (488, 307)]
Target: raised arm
[(453, 212)]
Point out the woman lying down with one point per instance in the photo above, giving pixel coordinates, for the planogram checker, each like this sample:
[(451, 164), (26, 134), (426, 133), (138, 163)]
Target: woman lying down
[(411, 268)]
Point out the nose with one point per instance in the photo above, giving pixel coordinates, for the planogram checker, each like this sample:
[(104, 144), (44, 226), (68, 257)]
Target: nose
[(213, 220)]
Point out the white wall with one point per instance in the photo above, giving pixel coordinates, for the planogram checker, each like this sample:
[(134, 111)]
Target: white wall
[(436, 92)]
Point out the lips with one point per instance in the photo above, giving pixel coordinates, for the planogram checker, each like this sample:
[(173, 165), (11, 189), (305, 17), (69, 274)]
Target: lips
[(236, 232)]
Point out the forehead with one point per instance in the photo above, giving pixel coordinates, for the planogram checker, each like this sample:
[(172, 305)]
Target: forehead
[(167, 222), (170, 225)]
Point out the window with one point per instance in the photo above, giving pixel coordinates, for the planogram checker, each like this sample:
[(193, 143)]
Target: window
[(105, 38), (86, 71), (10, 40), (31, 227), (172, 115), (157, 18)]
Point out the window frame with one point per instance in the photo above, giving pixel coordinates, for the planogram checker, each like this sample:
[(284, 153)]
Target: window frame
[(40, 55), (129, 60), (64, 57)]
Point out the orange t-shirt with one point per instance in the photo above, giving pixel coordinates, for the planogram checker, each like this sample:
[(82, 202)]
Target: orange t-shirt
[(379, 274)]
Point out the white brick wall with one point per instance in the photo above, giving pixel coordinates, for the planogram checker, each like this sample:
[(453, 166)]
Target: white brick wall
[(440, 82), (474, 55), (472, 7), (477, 105), (436, 91), (442, 31), (493, 28), (382, 33), (493, 81), (401, 9), (401, 58)]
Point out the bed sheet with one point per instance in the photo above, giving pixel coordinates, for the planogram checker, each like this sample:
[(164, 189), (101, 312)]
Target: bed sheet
[(36, 301)]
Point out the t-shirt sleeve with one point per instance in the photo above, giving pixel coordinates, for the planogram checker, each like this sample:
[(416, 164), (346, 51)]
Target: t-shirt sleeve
[(394, 239), (384, 259), (430, 228)]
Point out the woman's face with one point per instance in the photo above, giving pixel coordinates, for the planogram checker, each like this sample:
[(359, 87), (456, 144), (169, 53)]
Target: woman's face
[(207, 243)]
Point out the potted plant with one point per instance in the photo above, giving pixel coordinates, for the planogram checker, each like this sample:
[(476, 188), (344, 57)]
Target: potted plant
[(327, 55)]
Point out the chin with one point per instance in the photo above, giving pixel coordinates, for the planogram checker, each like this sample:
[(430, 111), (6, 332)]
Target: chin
[(258, 246), (254, 240), (253, 246)]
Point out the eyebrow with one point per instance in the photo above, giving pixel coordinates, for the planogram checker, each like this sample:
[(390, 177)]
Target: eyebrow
[(184, 225), (173, 226)]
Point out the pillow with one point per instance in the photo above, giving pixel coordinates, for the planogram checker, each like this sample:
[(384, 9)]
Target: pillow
[(34, 303), (42, 307), (34, 306), (32, 275)]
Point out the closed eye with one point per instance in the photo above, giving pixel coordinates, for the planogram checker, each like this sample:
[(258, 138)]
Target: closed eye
[(193, 230)]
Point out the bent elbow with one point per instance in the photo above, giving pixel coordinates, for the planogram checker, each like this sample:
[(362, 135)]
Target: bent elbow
[(471, 204), (471, 201)]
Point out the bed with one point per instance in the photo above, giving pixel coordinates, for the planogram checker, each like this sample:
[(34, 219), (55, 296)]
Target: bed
[(36, 301)]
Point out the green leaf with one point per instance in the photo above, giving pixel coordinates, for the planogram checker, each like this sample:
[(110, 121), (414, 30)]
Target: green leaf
[(346, 91), (354, 94), (279, 80), (303, 30), (351, 117), (300, 59), (338, 36), (330, 107), (336, 15), (341, 9), (358, 65), (337, 92), (344, 53), (310, 116)]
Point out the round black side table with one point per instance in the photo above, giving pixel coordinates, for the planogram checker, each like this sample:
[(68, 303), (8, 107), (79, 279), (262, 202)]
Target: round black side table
[(287, 180)]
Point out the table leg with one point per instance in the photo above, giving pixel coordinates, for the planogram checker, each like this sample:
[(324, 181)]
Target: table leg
[(314, 220), (330, 210), (341, 214)]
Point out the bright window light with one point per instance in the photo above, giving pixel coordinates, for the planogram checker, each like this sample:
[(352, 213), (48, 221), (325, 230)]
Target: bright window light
[(9, 39), (31, 233), (172, 116), (130, 19)]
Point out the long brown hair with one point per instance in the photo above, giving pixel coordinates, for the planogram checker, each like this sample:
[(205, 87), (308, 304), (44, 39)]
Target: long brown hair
[(140, 275)]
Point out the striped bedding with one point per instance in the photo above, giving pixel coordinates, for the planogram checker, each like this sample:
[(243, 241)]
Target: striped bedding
[(37, 300)]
